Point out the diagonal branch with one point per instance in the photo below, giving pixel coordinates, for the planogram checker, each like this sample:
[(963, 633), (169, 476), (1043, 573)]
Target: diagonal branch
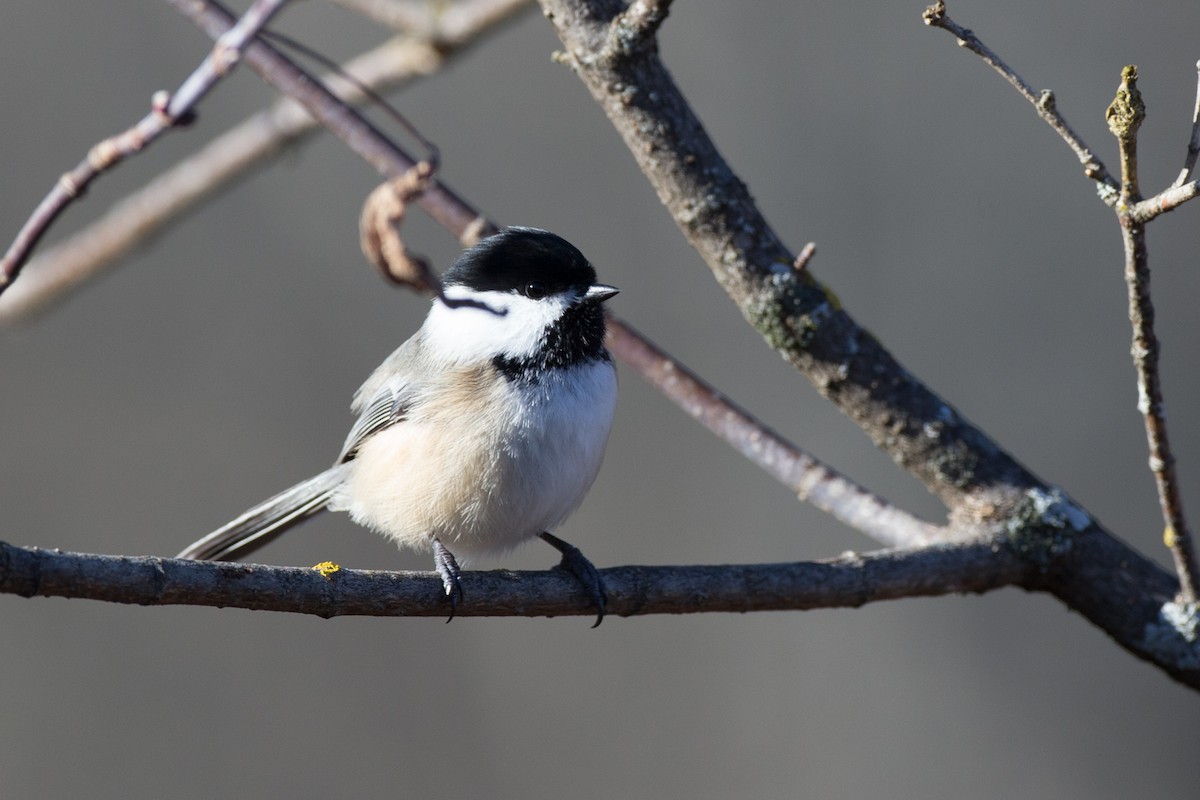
[(814, 482), (987, 491), (53, 274), (167, 111), (1043, 102), (800, 318), (1175, 195)]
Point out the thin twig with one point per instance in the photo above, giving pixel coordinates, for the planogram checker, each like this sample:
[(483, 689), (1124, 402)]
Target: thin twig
[(1176, 534), (51, 275), (327, 590), (804, 257), (167, 111), (1125, 116), (1043, 102), (814, 482), (1193, 150)]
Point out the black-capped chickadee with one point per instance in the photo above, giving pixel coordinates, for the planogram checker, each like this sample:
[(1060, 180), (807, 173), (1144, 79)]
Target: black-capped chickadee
[(484, 429)]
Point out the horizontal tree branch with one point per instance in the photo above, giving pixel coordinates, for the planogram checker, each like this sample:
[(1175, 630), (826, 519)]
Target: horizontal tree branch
[(849, 581)]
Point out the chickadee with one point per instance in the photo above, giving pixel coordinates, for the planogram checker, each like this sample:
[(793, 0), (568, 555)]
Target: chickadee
[(483, 430)]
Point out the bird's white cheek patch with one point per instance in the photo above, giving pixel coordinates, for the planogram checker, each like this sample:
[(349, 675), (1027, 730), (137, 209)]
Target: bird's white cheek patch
[(510, 325)]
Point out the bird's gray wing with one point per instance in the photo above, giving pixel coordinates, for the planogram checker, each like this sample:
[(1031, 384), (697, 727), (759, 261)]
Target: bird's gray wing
[(382, 401), (268, 519), (385, 408)]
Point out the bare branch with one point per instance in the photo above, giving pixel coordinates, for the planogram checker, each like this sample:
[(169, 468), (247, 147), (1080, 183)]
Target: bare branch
[(1167, 200), (1125, 116), (167, 111), (51, 275), (439, 23), (1193, 150), (1043, 102), (400, 15), (804, 256), (851, 580), (813, 481), (798, 317)]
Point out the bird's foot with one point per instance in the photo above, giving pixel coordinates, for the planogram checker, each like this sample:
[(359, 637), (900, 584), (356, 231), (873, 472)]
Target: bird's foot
[(448, 569), (576, 563)]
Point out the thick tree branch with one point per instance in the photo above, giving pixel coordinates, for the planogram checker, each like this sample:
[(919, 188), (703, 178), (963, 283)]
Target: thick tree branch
[(985, 488), (851, 580), (799, 318)]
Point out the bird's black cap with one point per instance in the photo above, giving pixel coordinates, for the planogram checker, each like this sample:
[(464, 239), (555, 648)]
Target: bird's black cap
[(515, 257)]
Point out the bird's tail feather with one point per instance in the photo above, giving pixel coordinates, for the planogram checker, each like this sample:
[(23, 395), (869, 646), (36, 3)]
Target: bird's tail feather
[(268, 519)]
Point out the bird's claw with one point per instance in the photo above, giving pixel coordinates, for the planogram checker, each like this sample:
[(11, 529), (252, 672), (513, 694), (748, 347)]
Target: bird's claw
[(576, 563), (447, 569)]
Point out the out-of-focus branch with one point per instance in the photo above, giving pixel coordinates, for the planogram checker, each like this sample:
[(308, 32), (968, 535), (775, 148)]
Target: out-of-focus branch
[(437, 22), (51, 275), (851, 580), (814, 482), (167, 111)]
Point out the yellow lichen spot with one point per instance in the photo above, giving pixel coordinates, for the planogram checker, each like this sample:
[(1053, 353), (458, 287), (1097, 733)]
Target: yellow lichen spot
[(327, 568), (1169, 537)]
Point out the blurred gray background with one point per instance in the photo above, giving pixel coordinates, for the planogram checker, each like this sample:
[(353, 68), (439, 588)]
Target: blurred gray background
[(216, 368)]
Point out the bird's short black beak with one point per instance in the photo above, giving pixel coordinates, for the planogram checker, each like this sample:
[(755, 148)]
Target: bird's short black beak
[(598, 293)]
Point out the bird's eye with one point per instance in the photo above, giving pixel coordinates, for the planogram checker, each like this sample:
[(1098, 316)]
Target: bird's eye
[(535, 290)]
